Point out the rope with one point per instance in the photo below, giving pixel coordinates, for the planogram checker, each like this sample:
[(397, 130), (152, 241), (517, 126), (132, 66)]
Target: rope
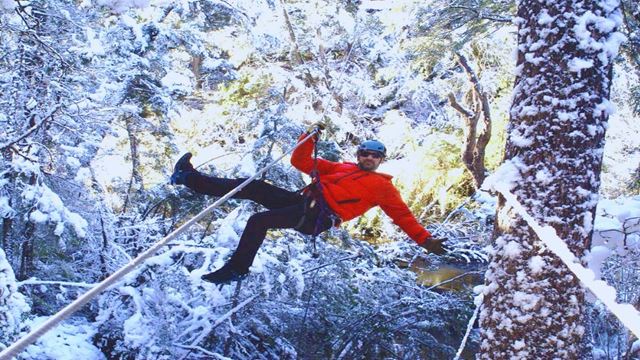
[(315, 181), (306, 308), (36, 333)]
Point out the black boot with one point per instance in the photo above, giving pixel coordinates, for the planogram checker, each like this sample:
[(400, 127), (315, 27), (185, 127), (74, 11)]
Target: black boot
[(225, 275), (182, 168)]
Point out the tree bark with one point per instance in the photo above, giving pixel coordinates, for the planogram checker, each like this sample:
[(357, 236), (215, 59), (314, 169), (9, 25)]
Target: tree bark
[(196, 69), (533, 305), (298, 60), (631, 16), (7, 222)]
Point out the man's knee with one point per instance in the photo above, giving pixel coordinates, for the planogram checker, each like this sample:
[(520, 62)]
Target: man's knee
[(257, 185), (258, 220), (252, 189)]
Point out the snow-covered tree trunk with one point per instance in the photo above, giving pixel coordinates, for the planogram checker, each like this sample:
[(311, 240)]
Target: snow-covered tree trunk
[(533, 305)]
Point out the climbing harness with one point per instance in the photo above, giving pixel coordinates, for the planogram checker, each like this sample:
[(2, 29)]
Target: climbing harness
[(316, 205), (74, 306)]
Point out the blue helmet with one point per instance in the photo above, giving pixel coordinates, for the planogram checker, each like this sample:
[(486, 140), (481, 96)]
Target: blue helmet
[(373, 145)]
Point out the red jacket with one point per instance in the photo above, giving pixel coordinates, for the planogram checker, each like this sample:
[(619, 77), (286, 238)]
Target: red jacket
[(350, 191)]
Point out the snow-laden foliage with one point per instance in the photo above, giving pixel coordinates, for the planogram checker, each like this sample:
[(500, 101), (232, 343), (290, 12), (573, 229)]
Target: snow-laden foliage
[(53, 113), (13, 304), (616, 230), (291, 306), (614, 256)]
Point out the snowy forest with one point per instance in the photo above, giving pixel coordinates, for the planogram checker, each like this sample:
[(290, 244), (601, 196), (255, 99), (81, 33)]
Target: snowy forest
[(511, 130)]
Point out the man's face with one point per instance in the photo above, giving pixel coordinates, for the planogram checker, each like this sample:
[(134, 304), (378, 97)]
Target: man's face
[(369, 160)]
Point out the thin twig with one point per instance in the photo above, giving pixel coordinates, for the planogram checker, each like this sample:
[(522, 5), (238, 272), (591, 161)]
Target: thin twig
[(332, 263), (469, 327), (453, 279), (202, 350)]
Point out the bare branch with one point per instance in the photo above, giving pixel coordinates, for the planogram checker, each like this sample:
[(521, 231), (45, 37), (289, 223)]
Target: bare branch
[(474, 152), (481, 14), (459, 108), (454, 279), (202, 350)]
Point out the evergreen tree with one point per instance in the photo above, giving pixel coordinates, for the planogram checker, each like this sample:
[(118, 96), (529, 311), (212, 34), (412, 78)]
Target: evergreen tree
[(52, 128)]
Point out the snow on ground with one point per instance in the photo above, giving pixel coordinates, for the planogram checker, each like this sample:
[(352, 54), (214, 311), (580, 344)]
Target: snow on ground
[(71, 340)]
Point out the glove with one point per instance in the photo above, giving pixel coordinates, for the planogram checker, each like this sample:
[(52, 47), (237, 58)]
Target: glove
[(435, 245), (318, 125)]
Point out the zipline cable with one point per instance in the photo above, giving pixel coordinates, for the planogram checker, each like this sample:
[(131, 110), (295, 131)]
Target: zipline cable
[(32, 336)]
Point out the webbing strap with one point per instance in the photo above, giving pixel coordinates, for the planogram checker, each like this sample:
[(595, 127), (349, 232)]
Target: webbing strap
[(36, 333), (315, 181)]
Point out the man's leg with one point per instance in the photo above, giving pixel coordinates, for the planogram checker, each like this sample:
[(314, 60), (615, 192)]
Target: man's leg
[(269, 196), (254, 234), (265, 194)]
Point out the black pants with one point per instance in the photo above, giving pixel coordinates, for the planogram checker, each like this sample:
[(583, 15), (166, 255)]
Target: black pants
[(286, 210)]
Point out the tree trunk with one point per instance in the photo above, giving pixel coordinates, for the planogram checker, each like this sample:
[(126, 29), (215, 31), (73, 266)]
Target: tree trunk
[(297, 57), (196, 68), (7, 221), (27, 246), (136, 180), (631, 50), (6, 229), (298, 60), (27, 261), (533, 305), (104, 255)]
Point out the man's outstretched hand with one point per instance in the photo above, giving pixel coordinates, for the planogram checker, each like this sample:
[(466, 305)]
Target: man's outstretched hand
[(435, 245)]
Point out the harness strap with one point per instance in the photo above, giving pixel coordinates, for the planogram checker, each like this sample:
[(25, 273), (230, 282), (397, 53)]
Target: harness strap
[(313, 197)]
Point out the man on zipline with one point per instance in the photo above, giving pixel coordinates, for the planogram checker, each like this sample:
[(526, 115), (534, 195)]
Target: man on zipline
[(338, 192)]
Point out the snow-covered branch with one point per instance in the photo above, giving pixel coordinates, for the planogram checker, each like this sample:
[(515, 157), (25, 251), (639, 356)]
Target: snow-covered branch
[(33, 281)]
